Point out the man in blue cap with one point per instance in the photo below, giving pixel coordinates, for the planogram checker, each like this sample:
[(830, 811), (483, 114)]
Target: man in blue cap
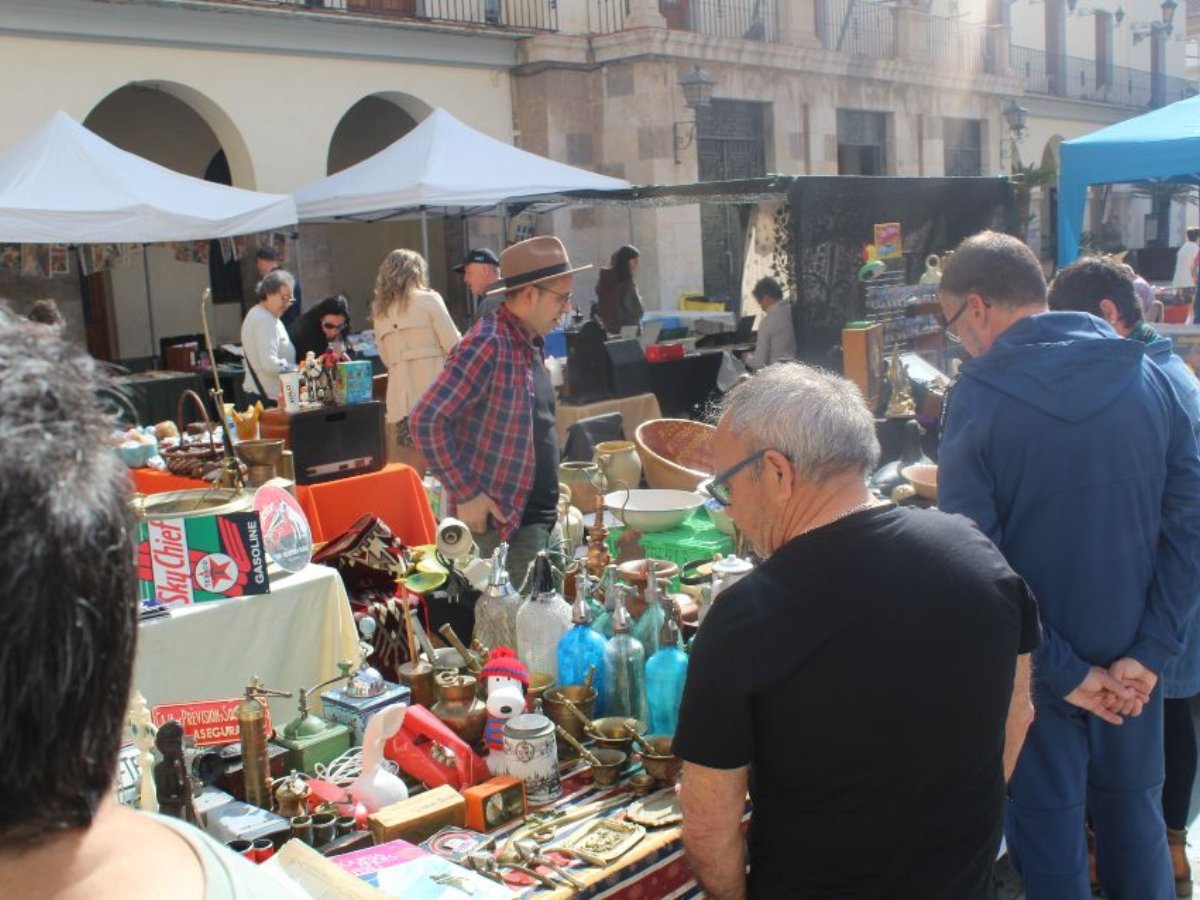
[(480, 269)]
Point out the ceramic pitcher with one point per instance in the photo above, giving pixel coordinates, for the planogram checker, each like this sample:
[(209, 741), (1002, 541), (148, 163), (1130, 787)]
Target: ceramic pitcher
[(619, 464), (583, 478)]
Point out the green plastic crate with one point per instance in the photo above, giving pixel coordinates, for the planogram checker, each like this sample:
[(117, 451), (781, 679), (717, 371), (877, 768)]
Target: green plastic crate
[(696, 538)]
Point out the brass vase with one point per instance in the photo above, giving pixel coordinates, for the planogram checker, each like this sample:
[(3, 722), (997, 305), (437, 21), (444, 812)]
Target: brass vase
[(458, 706)]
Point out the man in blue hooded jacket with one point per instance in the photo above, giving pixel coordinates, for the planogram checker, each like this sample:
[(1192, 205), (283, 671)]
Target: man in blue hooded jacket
[(1069, 448), (1103, 287)]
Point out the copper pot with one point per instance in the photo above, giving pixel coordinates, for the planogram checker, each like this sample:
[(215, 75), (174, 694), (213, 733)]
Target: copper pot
[(458, 706)]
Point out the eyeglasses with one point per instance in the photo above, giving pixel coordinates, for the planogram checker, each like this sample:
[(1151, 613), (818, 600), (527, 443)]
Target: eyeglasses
[(563, 298), (720, 488)]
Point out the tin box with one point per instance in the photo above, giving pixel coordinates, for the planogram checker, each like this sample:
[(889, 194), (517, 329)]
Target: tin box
[(355, 712)]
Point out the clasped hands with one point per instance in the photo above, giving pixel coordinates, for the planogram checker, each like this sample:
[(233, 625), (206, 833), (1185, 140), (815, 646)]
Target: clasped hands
[(1113, 693)]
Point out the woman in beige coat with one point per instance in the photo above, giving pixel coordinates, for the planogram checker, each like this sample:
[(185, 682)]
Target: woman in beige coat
[(414, 334)]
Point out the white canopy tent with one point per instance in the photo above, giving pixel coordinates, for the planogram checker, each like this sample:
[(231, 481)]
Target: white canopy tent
[(64, 184), (442, 163)]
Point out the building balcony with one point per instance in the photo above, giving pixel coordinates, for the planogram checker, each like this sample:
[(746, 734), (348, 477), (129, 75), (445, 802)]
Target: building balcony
[(756, 20), (518, 15), (1085, 79)]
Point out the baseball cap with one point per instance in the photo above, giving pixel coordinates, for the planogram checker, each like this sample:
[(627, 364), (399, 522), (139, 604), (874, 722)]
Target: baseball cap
[(478, 255)]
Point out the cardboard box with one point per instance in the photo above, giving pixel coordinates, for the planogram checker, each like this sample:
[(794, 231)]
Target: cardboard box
[(419, 817), (201, 558), (862, 359), (353, 383)]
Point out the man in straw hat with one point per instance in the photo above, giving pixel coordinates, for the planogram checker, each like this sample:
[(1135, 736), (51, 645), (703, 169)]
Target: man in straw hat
[(486, 426)]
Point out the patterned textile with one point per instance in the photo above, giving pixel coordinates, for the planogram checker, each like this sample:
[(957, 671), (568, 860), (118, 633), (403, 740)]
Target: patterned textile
[(474, 425)]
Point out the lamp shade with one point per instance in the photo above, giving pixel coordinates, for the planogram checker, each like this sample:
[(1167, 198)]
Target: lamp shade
[(697, 88), (1015, 115)]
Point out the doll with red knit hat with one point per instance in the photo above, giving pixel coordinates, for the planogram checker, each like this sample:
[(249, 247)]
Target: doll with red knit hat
[(506, 680)]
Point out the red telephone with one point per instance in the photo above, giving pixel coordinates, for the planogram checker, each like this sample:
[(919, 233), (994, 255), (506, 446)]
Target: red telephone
[(427, 750)]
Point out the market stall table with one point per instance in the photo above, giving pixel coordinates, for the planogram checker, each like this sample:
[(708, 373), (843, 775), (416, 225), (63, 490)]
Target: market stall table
[(291, 637), (654, 867), (634, 411), (155, 395)]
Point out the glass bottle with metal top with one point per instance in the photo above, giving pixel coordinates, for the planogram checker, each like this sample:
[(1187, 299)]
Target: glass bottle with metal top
[(657, 596), (624, 668), (580, 649), (610, 586), (666, 672), (542, 620), (496, 609)]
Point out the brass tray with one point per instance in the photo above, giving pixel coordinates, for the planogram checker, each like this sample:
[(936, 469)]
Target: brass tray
[(608, 839), (657, 810)]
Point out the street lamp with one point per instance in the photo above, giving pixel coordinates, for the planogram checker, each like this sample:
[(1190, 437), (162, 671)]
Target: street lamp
[(1166, 26), (697, 88), (1015, 115)]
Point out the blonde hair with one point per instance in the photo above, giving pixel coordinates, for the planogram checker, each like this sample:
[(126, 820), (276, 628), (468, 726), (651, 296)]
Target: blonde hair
[(401, 272)]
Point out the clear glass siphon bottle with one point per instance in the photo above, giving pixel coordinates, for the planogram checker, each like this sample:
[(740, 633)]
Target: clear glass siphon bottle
[(496, 608), (610, 584), (666, 672), (542, 620), (646, 628), (624, 668), (580, 649)]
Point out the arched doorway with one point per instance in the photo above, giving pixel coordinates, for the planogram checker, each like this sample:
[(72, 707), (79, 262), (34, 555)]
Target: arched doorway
[(356, 249), (181, 129)]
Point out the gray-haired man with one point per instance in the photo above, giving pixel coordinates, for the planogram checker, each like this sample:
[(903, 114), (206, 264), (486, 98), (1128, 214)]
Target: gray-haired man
[(866, 673)]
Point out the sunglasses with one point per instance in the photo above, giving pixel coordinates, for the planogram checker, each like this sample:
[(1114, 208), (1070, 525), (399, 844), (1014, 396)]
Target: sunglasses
[(332, 326), (720, 488)]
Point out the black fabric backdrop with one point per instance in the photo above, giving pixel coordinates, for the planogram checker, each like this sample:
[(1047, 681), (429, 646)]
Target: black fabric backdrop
[(833, 217)]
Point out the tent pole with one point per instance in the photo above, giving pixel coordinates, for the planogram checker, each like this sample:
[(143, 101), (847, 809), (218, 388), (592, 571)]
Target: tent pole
[(149, 302), (424, 236)]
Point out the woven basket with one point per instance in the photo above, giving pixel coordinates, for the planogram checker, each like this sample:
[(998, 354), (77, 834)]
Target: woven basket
[(676, 453), (195, 460)]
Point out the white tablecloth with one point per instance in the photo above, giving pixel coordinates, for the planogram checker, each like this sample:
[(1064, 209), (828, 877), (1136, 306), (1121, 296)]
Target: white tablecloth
[(290, 638)]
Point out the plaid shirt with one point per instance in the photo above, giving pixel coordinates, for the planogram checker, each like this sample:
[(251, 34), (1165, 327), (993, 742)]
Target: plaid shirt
[(474, 425)]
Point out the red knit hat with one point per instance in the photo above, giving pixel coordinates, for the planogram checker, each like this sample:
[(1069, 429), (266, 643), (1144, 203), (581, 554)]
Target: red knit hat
[(503, 663)]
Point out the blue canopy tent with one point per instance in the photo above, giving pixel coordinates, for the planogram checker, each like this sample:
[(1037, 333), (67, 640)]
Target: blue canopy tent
[(1163, 145)]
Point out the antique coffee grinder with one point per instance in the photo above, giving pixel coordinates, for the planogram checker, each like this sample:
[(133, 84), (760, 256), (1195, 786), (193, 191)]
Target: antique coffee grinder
[(252, 731), (365, 692), (308, 738)]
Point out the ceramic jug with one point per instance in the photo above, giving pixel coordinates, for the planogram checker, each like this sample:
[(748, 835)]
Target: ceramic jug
[(619, 464), (583, 478)]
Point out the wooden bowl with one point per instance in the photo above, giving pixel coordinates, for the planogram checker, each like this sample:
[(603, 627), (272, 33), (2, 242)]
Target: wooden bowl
[(923, 477), (676, 453)]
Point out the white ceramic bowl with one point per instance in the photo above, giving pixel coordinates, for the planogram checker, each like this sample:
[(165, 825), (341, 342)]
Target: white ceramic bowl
[(652, 509)]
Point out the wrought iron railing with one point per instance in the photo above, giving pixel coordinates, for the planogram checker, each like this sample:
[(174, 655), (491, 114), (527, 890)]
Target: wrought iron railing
[(756, 20), (959, 46), (1085, 79), (521, 15), (857, 27)]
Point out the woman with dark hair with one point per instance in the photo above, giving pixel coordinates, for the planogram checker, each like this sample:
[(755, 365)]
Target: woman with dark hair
[(315, 329), (618, 302)]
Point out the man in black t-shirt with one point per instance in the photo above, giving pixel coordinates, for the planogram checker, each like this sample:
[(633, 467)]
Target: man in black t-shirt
[(869, 682)]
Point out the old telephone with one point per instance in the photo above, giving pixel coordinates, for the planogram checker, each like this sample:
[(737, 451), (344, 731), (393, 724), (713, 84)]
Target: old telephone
[(429, 751)]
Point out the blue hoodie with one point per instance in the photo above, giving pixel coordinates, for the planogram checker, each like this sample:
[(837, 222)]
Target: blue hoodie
[(1069, 448)]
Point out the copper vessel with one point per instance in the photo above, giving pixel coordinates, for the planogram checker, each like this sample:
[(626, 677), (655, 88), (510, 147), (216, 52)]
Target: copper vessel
[(459, 707)]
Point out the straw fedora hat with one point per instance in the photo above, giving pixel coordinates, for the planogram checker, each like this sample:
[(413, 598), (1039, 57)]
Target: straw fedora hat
[(532, 262)]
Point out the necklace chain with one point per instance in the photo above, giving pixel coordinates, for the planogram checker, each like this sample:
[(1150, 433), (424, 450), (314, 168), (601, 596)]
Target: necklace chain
[(866, 504)]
